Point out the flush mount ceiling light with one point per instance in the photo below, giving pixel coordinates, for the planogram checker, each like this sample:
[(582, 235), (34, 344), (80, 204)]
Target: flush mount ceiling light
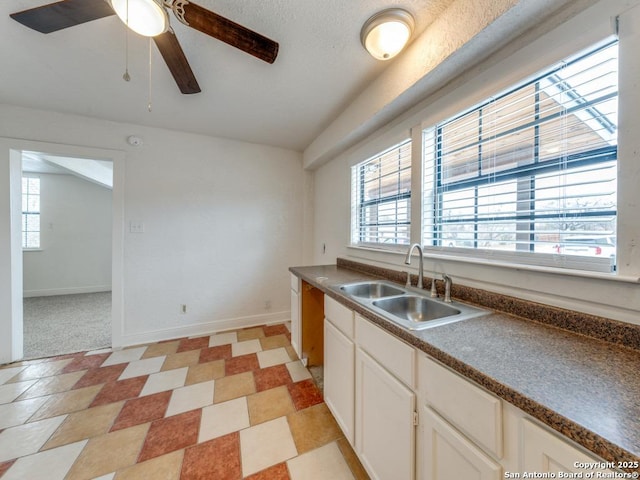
[(387, 32), (145, 17)]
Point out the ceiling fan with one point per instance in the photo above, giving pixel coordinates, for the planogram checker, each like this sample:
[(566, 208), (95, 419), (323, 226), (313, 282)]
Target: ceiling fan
[(67, 13)]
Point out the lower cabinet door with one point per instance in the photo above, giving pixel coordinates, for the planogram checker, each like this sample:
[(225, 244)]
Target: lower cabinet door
[(546, 452), (385, 431), (445, 454), (339, 378)]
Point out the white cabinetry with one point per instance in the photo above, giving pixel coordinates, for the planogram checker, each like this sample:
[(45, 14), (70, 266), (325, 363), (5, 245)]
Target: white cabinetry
[(447, 454), (461, 434), (296, 339), (464, 432), (385, 406), (339, 366), (544, 451)]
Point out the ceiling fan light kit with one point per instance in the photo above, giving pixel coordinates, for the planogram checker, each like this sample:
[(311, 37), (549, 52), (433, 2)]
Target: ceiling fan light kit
[(145, 17), (150, 18), (386, 33)]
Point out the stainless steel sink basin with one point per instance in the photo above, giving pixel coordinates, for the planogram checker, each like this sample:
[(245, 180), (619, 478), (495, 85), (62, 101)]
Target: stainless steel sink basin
[(408, 307), (376, 289), (415, 309)]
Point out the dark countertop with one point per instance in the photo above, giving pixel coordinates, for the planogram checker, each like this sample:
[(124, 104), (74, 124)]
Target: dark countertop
[(585, 388)]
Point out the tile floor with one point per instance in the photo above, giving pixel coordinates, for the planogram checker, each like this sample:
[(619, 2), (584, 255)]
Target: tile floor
[(236, 405)]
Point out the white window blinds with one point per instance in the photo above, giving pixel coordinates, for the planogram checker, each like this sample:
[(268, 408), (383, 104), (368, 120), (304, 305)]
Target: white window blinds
[(532, 171), (381, 198)]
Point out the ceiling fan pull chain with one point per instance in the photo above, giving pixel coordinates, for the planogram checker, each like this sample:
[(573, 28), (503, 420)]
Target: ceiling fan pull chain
[(126, 75), (150, 56)]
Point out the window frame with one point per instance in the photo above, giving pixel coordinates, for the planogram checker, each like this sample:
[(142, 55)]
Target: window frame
[(432, 200), (359, 205), (27, 213)]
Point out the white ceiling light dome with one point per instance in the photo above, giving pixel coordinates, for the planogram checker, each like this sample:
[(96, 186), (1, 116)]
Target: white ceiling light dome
[(386, 33), (145, 17)]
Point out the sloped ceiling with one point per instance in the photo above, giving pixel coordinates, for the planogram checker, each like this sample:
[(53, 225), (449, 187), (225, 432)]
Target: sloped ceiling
[(321, 67)]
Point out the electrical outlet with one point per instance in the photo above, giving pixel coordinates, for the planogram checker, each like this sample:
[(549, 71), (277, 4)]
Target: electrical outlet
[(183, 308), (136, 227), (267, 305)]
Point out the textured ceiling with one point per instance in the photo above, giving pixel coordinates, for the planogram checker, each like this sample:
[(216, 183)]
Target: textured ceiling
[(321, 67)]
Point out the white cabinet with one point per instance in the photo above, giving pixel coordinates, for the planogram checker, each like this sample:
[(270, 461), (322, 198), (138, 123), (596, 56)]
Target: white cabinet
[(385, 403), (544, 451), (374, 385), (385, 431), (446, 454), (472, 410), (339, 366), (296, 339)]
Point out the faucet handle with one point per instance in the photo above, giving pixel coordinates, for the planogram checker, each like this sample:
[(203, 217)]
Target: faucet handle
[(434, 292), (447, 287)]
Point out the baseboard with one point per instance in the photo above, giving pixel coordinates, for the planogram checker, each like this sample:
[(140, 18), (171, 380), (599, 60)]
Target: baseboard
[(66, 291), (201, 329)]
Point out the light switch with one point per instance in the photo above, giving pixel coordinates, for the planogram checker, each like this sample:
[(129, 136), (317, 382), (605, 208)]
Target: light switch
[(136, 226)]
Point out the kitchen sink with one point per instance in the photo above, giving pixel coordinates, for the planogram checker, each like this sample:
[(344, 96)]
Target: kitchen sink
[(415, 309), (377, 289), (407, 307)]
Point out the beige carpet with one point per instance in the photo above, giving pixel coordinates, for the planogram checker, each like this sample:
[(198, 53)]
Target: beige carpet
[(66, 324)]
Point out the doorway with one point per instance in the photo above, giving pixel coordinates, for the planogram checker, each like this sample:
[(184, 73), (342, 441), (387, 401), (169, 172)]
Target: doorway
[(66, 233), (11, 253)]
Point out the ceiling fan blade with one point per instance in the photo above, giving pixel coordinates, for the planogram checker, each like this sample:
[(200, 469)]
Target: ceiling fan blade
[(177, 62), (230, 32), (59, 15)]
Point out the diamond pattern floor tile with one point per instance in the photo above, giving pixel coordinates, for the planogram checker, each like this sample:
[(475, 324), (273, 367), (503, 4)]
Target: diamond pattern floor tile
[(304, 394), (138, 368), (190, 398), (109, 453), (162, 381), (246, 347), (96, 376), (234, 405), (277, 472), (85, 362), (142, 410), (48, 465), (223, 418), (124, 356), (171, 434), (120, 390), (84, 424), (320, 464), (218, 458), (276, 356), (16, 413), (265, 445), (28, 438), (244, 363)]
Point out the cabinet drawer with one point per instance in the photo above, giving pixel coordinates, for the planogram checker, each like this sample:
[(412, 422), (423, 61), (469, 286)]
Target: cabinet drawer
[(476, 413), (339, 315), (396, 356), (295, 283)]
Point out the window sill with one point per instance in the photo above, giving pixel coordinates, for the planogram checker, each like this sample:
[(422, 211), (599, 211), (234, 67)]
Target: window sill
[(32, 250), (451, 257)]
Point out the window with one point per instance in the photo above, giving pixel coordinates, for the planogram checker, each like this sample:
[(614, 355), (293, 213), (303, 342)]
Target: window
[(381, 198), (531, 171), (30, 212)]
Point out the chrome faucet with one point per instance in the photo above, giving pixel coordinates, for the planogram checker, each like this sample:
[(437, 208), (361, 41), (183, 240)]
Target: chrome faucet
[(407, 260), (447, 288)]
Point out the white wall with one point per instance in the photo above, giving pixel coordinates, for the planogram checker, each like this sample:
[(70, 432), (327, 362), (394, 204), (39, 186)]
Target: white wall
[(616, 297), (75, 239), (223, 221)]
